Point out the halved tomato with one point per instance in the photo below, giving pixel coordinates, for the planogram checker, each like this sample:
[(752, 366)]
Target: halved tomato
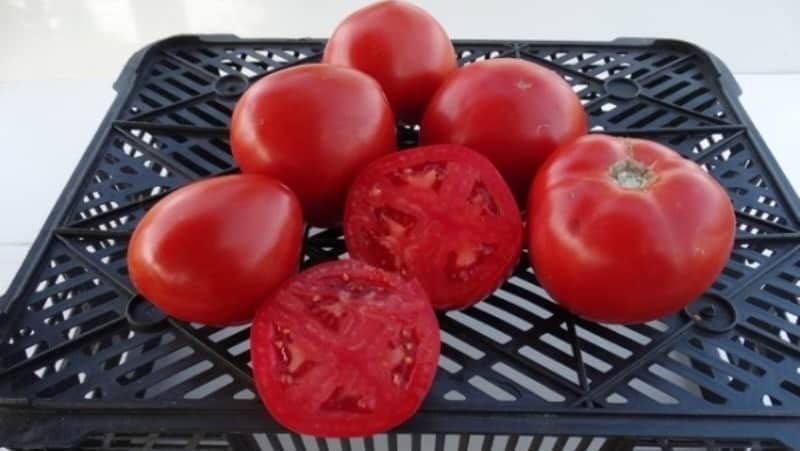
[(442, 214), (344, 349)]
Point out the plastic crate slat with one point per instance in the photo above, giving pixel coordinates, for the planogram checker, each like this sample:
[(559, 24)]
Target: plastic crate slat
[(213, 351), (777, 318), (621, 373), (117, 215), (271, 57), (652, 133), (199, 130), (595, 355), (486, 343), (715, 382), (138, 145), (751, 357), (771, 339), (196, 110), (123, 175), (169, 106), (98, 268), (678, 109), (467, 54), (667, 67), (140, 357), (714, 361), (50, 352), (586, 78), (712, 150), (626, 343), (765, 270), (577, 349)]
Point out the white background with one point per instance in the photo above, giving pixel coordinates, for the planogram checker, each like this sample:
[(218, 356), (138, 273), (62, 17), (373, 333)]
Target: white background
[(58, 59)]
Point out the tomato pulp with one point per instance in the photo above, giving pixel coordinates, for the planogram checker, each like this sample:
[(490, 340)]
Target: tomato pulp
[(344, 349), (442, 214)]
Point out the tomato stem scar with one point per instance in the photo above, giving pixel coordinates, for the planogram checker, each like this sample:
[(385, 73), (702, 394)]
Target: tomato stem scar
[(631, 174)]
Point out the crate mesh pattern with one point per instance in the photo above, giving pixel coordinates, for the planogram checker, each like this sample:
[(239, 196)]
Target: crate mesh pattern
[(81, 353)]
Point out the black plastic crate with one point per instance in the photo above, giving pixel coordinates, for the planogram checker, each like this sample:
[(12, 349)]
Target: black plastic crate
[(86, 363)]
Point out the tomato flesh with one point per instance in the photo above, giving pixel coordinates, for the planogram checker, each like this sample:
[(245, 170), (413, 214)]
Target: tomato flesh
[(211, 251), (442, 214), (344, 349), (625, 230)]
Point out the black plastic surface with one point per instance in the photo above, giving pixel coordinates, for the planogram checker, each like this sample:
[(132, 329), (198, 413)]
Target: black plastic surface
[(82, 360)]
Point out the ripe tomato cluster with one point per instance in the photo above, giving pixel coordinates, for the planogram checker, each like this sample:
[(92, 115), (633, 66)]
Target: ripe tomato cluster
[(618, 230)]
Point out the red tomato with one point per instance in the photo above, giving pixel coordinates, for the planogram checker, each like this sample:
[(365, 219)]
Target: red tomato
[(442, 214), (513, 111), (313, 127), (344, 349), (211, 251), (401, 46), (625, 230)]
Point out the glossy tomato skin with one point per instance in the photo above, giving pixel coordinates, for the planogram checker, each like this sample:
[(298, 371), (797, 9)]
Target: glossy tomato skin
[(442, 214), (513, 111), (313, 127), (212, 250), (626, 255), (403, 47), (344, 349)]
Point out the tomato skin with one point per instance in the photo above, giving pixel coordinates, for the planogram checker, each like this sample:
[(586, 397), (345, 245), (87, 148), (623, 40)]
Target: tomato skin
[(403, 47), (442, 214), (313, 127), (623, 255), (344, 349), (513, 111), (212, 250)]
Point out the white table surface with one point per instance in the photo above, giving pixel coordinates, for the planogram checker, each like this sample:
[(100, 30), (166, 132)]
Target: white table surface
[(59, 59)]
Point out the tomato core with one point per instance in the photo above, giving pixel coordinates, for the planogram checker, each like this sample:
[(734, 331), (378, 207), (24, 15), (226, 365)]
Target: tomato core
[(631, 174)]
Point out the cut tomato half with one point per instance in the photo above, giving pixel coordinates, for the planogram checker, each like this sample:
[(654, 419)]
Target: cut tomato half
[(345, 349), (441, 214)]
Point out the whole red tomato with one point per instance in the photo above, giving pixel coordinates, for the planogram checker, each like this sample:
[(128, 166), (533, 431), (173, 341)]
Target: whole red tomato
[(513, 111), (211, 251), (401, 46), (625, 230), (313, 127), (441, 214), (344, 349)]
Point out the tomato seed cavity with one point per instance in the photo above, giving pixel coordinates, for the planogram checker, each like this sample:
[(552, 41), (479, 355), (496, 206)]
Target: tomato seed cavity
[(381, 252), (462, 264), (402, 355), (340, 400), (481, 197), (292, 358), (328, 310), (425, 175), (394, 222)]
